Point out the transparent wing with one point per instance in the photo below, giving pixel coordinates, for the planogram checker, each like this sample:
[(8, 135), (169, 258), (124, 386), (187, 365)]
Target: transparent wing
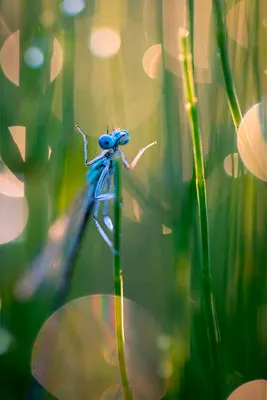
[(105, 207), (49, 262)]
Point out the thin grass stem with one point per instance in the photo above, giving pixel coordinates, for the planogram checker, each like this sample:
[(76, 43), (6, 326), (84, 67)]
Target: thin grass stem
[(191, 15), (118, 284), (207, 294), (227, 74)]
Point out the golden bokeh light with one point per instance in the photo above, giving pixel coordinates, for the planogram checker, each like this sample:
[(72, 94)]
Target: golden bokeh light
[(68, 352), (13, 205), (10, 53), (19, 135), (251, 147), (253, 390), (104, 42), (174, 18), (56, 61), (236, 24), (127, 82), (10, 185), (231, 165), (152, 61), (13, 217), (9, 57)]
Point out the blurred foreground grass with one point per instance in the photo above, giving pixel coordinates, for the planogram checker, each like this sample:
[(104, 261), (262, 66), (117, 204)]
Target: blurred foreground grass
[(117, 76)]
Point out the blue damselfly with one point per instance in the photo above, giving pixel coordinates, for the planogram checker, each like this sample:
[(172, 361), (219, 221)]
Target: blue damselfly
[(65, 235)]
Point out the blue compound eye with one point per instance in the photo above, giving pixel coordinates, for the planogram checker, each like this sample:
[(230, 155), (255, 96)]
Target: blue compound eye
[(123, 137), (106, 142)]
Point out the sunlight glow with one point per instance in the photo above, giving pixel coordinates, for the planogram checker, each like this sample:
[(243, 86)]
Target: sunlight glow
[(251, 146), (68, 351), (104, 43), (255, 390), (13, 217), (174, 18), (152, 61), (9, 58), (10, 185), (56, 60), (231, 165), (19, 135)]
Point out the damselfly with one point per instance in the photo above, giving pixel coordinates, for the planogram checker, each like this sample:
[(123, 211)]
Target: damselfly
[(66, 234), (100, 175)]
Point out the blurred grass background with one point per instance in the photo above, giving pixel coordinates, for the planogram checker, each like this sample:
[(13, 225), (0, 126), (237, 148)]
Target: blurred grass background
[(130, 76)]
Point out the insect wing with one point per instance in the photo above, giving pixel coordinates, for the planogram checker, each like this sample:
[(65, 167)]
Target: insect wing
[(106, 203), (50, 261)]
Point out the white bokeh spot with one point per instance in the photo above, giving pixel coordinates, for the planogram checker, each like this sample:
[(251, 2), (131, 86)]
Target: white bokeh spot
[(72, 7), (34, 57), (104, 42)]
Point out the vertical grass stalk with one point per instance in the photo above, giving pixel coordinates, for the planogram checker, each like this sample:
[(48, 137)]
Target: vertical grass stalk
[(191, 15), (227, 74), (207, 294), (118, 284)]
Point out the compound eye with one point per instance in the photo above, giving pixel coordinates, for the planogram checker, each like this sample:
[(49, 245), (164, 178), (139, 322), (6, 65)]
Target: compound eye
[(106, 142), (124, 137)]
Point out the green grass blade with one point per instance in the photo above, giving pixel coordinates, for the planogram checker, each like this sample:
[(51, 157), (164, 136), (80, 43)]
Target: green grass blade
[(223, 51), (118, 284), (207, 294)]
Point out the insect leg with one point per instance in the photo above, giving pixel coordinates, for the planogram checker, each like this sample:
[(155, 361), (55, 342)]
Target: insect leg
[(85, 149), (131, 166)]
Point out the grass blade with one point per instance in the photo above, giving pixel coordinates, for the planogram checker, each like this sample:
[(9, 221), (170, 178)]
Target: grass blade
[(223, 51), (118, 284), (207, 294)]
